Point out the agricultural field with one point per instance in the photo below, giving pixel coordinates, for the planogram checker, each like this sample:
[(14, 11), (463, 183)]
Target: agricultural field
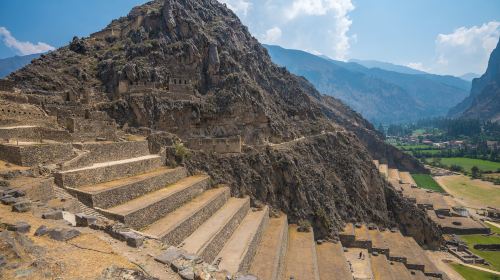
[(473, 193), (469, 273), (426, 181), (492, 257), (468, 163)]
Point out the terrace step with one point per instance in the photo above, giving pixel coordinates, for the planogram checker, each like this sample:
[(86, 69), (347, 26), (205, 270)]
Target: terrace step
[(269, 261), (362, 237), (97, 152), (107, 171), (179, 224), (207, 241), (113, 193), (379, 243), (332, 263), (384, 270), (430, 268), (301, 259), (361, 267), (149, 208), (238, 252)]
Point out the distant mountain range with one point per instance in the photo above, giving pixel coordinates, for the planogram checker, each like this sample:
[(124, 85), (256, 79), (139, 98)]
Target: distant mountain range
[(484, 100), (470, 76), (381, 92), (11, 64)]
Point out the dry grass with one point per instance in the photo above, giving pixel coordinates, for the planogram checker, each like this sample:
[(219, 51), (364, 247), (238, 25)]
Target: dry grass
[(474, 193)]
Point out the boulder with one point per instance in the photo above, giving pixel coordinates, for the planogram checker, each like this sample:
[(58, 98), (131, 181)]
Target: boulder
[(21, 206), (187, 273), (41, 230), (21, 227), (53, 215), (63, 234)]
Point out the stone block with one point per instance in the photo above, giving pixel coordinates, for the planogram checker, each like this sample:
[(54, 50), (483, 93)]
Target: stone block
[(133, 239), (83, 220), (21, 206), (15, 193), (53, 215), (169, 255), (63, 234), (21, 227), (8, 200), (187, 273), (42, 230)]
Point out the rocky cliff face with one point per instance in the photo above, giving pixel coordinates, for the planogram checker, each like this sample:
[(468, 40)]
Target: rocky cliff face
[(189, 67), (484, 100)]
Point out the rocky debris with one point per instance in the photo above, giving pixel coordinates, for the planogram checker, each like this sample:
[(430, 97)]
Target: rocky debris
[(53, 215), (187, 273), (4, 183), (115, 272), (41, 230), (63, 234), (22, 206), (246, 277), (78, 45), (20, 227), (83, 220)]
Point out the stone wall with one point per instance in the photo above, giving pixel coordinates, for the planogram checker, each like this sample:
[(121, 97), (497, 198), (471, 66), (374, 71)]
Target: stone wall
[(88, 129), (35, 154), (33, 133), (25, 113), (217, 145)]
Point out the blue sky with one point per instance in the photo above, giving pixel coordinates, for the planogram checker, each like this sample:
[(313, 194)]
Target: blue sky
[(444, 36)]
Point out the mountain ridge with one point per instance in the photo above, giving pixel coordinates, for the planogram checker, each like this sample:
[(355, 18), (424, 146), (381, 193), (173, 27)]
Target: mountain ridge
[(379, 95), (11, 64)]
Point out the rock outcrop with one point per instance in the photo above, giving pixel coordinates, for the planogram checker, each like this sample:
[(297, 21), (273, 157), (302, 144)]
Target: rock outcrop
[(484, 100)]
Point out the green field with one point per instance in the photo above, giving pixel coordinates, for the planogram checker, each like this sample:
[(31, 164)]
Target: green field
[(473, 274), (426, 181), (414, 147), (468, 163), (492, 257)]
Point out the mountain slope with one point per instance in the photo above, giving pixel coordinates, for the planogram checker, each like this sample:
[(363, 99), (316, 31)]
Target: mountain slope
[(379, 95), (484, 100), (387, 66), (189, 67), (11, 64)]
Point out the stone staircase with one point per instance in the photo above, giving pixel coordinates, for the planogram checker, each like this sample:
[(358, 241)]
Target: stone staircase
[(188, 212)]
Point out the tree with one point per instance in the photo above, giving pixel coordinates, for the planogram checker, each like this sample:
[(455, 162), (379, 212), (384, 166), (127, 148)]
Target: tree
[(476, 173)]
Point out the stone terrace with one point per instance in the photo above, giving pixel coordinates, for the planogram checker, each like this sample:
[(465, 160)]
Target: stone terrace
[(439, 207)]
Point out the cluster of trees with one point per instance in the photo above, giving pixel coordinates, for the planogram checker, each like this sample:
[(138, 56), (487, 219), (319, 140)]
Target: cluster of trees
[(444, 129), (482, 152)]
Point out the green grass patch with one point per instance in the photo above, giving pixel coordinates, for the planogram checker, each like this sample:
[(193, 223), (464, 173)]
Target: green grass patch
[(468, 163), (473, 274), (426, 181), (414, 147), (492, 257)]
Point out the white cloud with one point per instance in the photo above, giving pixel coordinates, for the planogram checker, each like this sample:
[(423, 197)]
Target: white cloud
[(272, 35), (417, 66), (23, 48), (340, 9), (468, 47), (238, 6)]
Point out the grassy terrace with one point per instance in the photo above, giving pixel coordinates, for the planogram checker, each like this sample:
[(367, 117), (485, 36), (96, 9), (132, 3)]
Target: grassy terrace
[(426, 181), (492, 257), (474, 274)]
